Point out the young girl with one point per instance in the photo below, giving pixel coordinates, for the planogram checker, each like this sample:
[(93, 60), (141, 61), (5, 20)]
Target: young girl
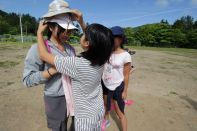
[(85, 72), (115, 79)]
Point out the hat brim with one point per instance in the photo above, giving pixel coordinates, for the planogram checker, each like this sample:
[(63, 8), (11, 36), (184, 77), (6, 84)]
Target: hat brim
[(69, 27), (50, 14)]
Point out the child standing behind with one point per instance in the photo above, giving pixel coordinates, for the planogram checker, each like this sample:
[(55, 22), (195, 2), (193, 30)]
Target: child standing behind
[(115, 79)]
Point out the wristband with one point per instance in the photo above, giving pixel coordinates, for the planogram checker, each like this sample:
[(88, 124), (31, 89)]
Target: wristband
[(49, 72)]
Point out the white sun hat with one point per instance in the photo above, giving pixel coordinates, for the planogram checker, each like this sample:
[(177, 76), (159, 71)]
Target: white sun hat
[(63, 20), (57, 7)]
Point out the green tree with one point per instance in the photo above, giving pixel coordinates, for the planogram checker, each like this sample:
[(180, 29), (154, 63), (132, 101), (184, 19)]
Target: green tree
[(192, 39), (178, 24), (195, 25), (26, 26), (185, 23), (13, 30), (179, 38), (164, 38), (4, 26), (129, 33), (9, 23), (30, 24), (148, 34), (164, 22)]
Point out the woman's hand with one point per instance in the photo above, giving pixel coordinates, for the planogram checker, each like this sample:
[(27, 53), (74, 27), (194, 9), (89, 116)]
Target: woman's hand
[(49, 72), (42, 27), (52, 70), (43, 52)]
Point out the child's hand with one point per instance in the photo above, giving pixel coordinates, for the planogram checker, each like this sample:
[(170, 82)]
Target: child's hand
[(79, 18), (124, 95), (78, 15), (41, 28)]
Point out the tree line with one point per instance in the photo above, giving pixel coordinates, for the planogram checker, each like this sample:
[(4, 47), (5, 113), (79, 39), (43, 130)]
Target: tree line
[(181, 34), (9, 23)]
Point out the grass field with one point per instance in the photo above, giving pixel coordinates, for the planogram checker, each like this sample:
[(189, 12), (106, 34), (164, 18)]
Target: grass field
[(162, 86)]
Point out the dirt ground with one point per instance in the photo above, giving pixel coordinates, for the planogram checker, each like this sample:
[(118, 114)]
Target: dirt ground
[(163, 87)]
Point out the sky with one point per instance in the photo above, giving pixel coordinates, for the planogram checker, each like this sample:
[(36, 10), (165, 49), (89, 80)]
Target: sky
[(125, 13)]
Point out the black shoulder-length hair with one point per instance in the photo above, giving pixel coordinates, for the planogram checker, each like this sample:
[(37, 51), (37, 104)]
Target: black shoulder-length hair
[(101, 44)]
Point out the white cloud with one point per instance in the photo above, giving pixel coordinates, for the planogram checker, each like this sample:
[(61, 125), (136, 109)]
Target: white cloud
[(151, 14), (35, 2), (177, 0), (194, 2), (162, 3), (165, 3)]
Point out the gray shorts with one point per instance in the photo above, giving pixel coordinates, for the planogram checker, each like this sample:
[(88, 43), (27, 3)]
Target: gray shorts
[(56, 114)]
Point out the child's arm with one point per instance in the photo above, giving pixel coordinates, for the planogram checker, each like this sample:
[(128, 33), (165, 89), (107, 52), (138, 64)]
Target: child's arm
[(79, 18), (44, 54), (127, 68)]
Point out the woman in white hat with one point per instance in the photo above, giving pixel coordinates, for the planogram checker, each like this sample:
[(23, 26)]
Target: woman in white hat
[(38, 72)]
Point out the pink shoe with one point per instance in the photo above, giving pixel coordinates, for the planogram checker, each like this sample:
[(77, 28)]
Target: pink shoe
[(128, 102), (105, 124)]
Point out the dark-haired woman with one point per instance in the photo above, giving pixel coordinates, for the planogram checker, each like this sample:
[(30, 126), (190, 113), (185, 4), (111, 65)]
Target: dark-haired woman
[(86, 72)]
